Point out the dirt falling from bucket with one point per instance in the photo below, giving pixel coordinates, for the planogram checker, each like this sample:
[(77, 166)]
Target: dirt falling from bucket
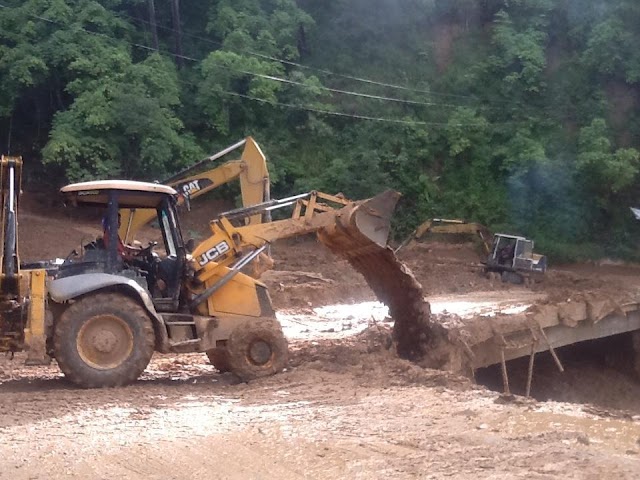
[(396, 287), (360, 235)]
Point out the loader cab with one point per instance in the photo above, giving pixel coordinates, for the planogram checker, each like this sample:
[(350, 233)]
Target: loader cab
[(160, 275)]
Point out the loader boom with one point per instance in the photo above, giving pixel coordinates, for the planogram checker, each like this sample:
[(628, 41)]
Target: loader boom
[(312, 212)]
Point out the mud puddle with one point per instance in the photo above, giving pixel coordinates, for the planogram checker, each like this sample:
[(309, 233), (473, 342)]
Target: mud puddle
[(340, 321)]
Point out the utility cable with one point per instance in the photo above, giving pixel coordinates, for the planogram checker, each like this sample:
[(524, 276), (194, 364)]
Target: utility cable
[(350, 115), (296, 64), (248, 97), (341, 114), (260, 75)]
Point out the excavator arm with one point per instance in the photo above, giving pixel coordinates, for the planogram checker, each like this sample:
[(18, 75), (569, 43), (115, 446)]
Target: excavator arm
[(450, 226), (22, 292), (250, 170), (350, 229)]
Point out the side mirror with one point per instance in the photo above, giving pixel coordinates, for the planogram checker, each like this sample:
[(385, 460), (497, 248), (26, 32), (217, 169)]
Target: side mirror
[(190, 245)]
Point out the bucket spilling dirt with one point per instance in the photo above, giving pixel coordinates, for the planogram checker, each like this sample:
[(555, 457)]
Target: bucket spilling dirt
[(360, 236)]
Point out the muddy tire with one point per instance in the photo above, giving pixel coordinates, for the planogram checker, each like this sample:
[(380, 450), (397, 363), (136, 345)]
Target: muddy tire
[(219, 358), (103, 340), (512, 277), (257, 349)]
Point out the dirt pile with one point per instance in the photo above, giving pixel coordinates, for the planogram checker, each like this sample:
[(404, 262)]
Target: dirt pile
[(370, 356)]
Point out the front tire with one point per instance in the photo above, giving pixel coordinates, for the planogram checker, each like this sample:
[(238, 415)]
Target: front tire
[(257, 349), (219, 358), (103, 340)]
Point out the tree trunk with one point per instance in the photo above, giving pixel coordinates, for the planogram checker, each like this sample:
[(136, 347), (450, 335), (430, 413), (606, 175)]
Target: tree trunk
[(153, 24), (177, 34)]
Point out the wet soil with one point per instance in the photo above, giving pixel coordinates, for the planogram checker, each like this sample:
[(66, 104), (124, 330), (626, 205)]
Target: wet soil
[(347, 407)]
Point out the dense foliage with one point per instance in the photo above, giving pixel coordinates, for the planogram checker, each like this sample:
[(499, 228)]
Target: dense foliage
[(521, 114)]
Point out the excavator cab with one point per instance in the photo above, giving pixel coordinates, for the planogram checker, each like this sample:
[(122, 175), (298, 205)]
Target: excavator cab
[(160, 275), (513, 258)]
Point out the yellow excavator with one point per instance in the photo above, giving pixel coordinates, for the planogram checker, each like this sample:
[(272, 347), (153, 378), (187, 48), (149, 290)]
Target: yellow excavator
[(508, 257), (103, 314), (450, 226), (250, 169)]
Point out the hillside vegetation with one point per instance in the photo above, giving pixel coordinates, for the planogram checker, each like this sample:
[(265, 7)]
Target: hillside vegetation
[(520, 114)]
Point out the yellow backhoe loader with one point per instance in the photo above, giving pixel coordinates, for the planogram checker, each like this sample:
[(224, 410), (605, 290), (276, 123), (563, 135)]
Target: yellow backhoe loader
[(250, 169), (102, 315)]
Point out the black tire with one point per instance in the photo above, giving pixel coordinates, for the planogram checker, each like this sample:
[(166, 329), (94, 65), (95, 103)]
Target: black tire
[(257, 349), (219, 358), (512, 277), (103, 340)]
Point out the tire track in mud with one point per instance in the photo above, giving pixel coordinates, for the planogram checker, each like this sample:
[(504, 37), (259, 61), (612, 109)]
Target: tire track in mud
[(305, 423)]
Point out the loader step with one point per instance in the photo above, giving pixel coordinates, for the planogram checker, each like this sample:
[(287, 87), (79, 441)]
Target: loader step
[(185, 346), (176, 319)]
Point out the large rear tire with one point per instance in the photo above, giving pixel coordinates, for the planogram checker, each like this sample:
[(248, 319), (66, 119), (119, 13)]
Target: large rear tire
[(257, 349), (103, 340)]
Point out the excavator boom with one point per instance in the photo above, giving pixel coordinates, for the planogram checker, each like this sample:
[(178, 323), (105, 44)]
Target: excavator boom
[(191, 183), (450, 226)]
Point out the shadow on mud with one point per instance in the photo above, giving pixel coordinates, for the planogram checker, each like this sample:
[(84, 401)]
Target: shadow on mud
[(24, 401), (597, 372), (29, 385)]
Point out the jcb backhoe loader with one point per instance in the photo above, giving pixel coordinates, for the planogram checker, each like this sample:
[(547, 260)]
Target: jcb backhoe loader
[(509, 257), (102, 315), (250, 169)]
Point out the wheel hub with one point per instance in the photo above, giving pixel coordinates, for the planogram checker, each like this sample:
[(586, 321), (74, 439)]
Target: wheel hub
[(104, 342), (260, 352)]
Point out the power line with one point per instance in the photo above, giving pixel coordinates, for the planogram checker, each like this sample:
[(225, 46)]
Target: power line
[(248, 97), (341, 114), (346, 92), (349, 115), (259, 75)]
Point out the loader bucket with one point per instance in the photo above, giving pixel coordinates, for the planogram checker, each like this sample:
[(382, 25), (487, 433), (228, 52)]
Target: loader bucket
[(362, 225), (360, 235)]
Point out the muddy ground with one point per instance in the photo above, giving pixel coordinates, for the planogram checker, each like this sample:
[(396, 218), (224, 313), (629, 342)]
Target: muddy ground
[(346, 407)]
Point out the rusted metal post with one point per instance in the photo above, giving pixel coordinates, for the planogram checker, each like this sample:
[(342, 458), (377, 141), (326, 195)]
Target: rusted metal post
[(505, 376), (553, 352), (530, 373)]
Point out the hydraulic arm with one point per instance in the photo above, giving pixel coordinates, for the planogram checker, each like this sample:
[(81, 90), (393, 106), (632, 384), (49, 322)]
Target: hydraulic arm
[(22, 292), (193, 182)]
